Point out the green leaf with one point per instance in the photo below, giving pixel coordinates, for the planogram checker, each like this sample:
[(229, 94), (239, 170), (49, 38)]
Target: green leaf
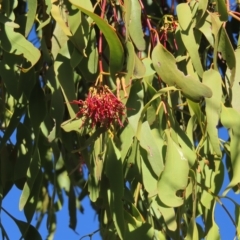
[(79, 27), (202, 7), (30, 207), (165, 65), (114, 171), (48, 4), (95, 170), (147, 62), (233, 85), (226, 49), (32, 173), (15, 119), (57, 13), (153, 147), (6, 168), (24, 151), (73, 125), (37, 108), (206, 27), (148, 175), (8, 22), (28, 231), (187, 146), (222, 10), (32, 8), (15, 43), (213, 80), (126, 138), (139, 68), (130, 62), (167, 185), (230, 119), (134, 25), (137, 229), (213, 233), (184, 15), (115, 46), (72, 208), (65, 76), (191, 40), (192, 232), (169, 217)]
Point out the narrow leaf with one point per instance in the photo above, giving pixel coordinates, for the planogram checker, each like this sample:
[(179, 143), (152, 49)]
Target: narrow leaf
[(115, 46), (32, 8), (213, 80), (135, 26)]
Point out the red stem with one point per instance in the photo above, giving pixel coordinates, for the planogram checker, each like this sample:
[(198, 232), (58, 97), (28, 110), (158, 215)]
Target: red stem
[(148, 21), (103, 7)]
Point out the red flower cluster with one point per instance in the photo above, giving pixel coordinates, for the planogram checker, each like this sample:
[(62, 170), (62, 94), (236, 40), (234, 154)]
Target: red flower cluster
[(101, 108)]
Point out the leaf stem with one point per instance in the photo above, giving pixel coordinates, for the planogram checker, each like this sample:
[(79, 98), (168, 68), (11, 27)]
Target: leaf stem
[(103, 7)]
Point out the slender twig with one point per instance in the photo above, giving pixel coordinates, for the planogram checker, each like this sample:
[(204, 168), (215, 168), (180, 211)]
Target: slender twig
[(150, 28), (217, 198), (234, 16), (90, 234)]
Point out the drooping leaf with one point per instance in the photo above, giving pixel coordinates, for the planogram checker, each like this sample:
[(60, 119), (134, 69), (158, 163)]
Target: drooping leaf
[(28, 231), (32, 8), (137, 229), (184, 15), (57, 12), (134, 24), (113, 172), (115, 46), (212, 79), (72, 208), (226, 49), (229, 119), (234, 86), (15, 119), (15, 43), (222, 10), (176, 163), (37, 108), (32, 173), (30, 207), (165, 65)]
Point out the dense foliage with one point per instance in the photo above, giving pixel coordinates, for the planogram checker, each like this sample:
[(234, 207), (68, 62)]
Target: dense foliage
[(133, 90)]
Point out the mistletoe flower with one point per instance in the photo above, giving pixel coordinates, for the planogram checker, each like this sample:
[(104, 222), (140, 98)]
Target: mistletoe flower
[(101, 108)]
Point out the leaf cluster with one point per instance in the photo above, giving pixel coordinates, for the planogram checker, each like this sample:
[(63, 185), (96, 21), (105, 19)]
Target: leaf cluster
[(176, 74)]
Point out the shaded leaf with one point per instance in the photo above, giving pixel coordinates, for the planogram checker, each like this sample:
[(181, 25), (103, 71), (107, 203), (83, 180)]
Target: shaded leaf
[(15, 43), (115, 46), (72, 208), (32, 173), (230, 119), (15, 119), (113, 172), (28, 231)]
